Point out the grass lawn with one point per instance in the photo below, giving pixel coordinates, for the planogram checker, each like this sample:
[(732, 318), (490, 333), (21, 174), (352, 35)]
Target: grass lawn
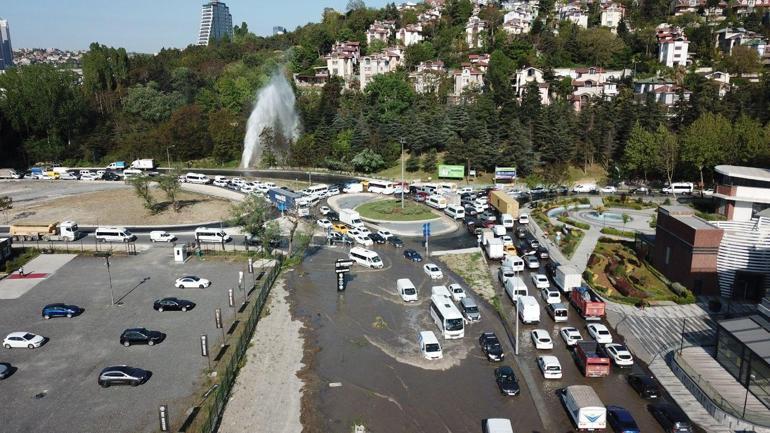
[(568, 242), (595, 173), (19, 258), (475, 272), (390, 210)]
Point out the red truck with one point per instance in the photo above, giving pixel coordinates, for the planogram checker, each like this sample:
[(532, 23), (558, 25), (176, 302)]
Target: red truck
[(587, 303), (591, 359)]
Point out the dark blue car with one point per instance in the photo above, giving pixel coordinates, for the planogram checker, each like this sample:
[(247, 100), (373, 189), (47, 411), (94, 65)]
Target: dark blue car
[(621, 420), (60, 310), (413, 255)]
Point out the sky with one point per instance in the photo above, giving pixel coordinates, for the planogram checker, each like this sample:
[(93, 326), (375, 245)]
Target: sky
[(144, 25)]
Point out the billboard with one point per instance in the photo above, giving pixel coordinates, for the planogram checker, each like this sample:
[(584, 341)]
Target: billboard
[(505, 173), (451, 171)]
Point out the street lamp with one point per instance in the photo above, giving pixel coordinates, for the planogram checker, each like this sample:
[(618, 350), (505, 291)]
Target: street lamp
[(402, 171), (106, 256), (746, 399), (168, 156)]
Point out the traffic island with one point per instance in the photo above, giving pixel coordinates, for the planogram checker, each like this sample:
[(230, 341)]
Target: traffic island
[(391, 210)]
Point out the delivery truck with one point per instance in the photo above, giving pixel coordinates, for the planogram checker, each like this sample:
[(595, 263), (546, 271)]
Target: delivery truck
[(587, 303), (529, 310), (9, 173), (567, 278), (504, 203), (287, 201), (584, 407), (494, 248), (591, 359), (351, 218), (117, 165), (143, 164), (65, 231)]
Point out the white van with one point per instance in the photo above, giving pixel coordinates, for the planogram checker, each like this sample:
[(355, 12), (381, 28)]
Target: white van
[(679, 188), (365, 257), (516, 263), (515, 287), (506, 220), (558, 312), (498, 230), (114, 234), (205, 234), (584, 188), (436, 201), (406, 289), (197, 178), (529, 310), (455, 211), (497, 425), (429, 345)]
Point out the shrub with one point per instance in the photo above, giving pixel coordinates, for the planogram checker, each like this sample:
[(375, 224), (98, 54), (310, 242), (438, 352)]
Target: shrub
[(615, 232), (678, 289), (627, 289)]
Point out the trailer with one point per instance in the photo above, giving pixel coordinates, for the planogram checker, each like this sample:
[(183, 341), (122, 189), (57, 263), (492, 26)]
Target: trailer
[(287, 200), (591, 359), (143, 164), (65, 231), (584, 407), (587, 303), (504, 203), (567, 278)]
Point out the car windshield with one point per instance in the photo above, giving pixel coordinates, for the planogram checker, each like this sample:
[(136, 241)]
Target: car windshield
[(553, 368), (544, 340), (471, 309), (454, 324), (410, 291), (376, 259), (29, 336), (433, 347)]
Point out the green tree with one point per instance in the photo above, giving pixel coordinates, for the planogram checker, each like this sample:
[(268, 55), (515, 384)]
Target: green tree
[(151, 104), (598, 46), (641, 153), (412, 163), (141, 186), (169, 184), (368, 161), (705, 142), (430, 161), (389, 96), (669, 151), (6, 204), (749, 139), (252, 214), (743, 60)]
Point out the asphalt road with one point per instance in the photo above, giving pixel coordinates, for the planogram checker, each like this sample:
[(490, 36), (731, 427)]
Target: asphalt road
[(55, 387)]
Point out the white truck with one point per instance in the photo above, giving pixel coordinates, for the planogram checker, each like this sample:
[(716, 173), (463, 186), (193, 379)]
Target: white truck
[(9, 173), (351, 218), (567, 278), (584, 407), (529, 310), (495, 248), (143, 164), (515, 287)]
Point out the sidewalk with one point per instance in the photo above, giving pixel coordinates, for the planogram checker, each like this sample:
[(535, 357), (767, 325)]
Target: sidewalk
[(36, 271)]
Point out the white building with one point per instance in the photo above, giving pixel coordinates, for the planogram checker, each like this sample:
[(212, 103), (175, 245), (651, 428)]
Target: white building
[(342, 60), (467, 78), (529, 75), (379, 63), (518, 21), (409, 35), (474, 32), (729, 38), (428, 76), (591, 83), (575, 13), (380, 31), (216, 22), (673, 46), (721, 79), (612, 14), (664, 91)]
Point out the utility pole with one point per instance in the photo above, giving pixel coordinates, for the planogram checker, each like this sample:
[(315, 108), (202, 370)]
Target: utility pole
[(168, 156), (402, 171), (516, 319)]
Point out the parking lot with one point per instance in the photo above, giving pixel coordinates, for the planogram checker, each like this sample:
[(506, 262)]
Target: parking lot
[(55, 387), (370, 371)]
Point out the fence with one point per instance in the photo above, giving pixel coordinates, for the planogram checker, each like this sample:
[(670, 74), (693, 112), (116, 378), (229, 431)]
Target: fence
[(211, 415), (79, 246)]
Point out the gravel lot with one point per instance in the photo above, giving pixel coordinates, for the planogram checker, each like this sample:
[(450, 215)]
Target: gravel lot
[(64, 371)]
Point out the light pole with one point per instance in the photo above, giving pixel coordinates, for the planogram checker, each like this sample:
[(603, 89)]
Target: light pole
[(106, 256), (516, 319), (402, 171), (746, 399), (168, 156)]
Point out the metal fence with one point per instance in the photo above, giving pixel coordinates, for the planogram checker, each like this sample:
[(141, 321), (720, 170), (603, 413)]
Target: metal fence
[(213, 415)]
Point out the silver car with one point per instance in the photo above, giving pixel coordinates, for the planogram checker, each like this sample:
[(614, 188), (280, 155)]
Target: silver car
[(470, 310)]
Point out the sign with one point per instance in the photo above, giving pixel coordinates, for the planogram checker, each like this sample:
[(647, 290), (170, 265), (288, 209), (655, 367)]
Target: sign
[(505, 173), (451, 171), (342, 266), (204, 345), (426, 230), (163, 417)]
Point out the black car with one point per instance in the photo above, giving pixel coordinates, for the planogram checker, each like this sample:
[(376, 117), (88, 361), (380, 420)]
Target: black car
[(533, 243), (173, 304), (336, 238), (470, 210), (377, 238), (542, 253), (506, 381), (412, 255), (521, 233), (487, 216), (525, 249), (491, 346), (332, 216), (644, 385), (141, 336), (621, 420), (672, 418), (5, 370), (550, 269), (108, 175), (123, 375), (396, 242)]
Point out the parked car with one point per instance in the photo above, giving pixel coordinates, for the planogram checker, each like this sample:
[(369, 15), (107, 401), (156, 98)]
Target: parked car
[(507, 240), (646, 386), (161, 236), (21, 340), (550, 295), (5, 370), (333, 216), (506, 381), (671, 418), (396, 242), (191, 282), (412, 255), (123, 375), (523, 219), (620, 355), (570, 335), (457, 291), (173, 304), (541, 339), (540, 281), (141, 336), (609, 189), (340, 228), (338, 238), (377, 238), (69, 176), (491, 346), (108, 175), (621, 420), (223, 183), (433, 271), (89, 176), (60, 310), (362, 239), (531, 261), (600, 333), (550, 367)]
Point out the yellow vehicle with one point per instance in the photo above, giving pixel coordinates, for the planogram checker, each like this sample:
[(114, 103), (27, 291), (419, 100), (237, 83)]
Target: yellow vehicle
[(340, 228), (509, 249)]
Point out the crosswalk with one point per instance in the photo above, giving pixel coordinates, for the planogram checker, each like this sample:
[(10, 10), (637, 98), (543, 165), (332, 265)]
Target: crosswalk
[(656, 334)]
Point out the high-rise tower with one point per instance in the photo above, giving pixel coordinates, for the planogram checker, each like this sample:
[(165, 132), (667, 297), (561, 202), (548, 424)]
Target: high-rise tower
[(6, 52), (216, 22)]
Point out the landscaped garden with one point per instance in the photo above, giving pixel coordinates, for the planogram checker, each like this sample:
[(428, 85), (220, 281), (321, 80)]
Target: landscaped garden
[(390, 210), (624, 201), (615, 271), (566, 238)]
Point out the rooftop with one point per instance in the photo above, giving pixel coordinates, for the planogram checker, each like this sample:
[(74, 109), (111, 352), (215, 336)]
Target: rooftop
[(754, 173), (687, 216), (753, 331)]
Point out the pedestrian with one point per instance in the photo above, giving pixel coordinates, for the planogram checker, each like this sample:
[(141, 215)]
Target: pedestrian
[(21, 271)]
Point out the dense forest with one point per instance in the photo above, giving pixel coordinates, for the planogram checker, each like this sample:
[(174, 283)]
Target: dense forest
[(192, 103)]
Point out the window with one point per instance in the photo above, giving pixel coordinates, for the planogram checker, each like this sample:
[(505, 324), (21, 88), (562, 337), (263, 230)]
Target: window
[(668, 256)]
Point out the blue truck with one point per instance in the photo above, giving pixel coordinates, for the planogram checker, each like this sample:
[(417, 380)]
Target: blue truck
[(287, 200)]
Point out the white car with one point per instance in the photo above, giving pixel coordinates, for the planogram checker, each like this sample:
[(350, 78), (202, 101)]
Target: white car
[(67, 176), (609, 189), (708, 192), (333, 191), (191, 282), (221, 182), (248, 189), (541, 339), (21, 340), (540, 281), (237, 181), (619, 354), (363, 240), (324, 223), (532, 261), (600, 333), (161, 236), (524, 219), (364, 231), (324, 210), (570, 335), (549, 366), (386, 234), (88, 176), (550, 295), (457, 291), (433, 271), (507, 240)]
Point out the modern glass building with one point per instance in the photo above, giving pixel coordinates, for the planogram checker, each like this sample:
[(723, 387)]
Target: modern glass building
[(216, 22), (6, 52), (743, 349)]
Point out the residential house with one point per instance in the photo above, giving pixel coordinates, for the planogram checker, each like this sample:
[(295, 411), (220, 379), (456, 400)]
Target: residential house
[(574, 12), (428, 76), (529, 75), (672, 46), (379, 63), (612, 14), (721, 80), (518, 21), (590, 83), (407, 6), (430, 16), (479, 61), (474, 32), (436, 3), (409, 35), (342, 60), (681, 7), (728, 38), (664, 91), (318, 79), (467, 78), (743, 7), (380, 31)]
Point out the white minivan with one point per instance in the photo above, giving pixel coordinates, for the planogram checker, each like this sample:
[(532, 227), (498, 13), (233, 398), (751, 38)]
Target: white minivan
[(429, 345), (365, 257), (455, 211), (197, 178), (436, 201), (506, 220), (406, 289), (114, 234), (679, 188), (529, 310), (516, 263), (205, 234)]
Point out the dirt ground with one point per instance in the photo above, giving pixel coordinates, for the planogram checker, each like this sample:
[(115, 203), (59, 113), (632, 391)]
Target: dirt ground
[(473, 269), (119, 207)]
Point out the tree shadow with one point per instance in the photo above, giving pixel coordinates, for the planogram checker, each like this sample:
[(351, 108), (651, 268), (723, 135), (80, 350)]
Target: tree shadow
[(180, 204)]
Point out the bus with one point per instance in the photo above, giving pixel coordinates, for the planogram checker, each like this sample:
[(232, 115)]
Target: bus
[(447, 317), (382, 186), (318, 190)]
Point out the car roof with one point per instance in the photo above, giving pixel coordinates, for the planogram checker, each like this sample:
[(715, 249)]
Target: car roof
[(505, 369), (19, 334), (549, 359), (540, 331)]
